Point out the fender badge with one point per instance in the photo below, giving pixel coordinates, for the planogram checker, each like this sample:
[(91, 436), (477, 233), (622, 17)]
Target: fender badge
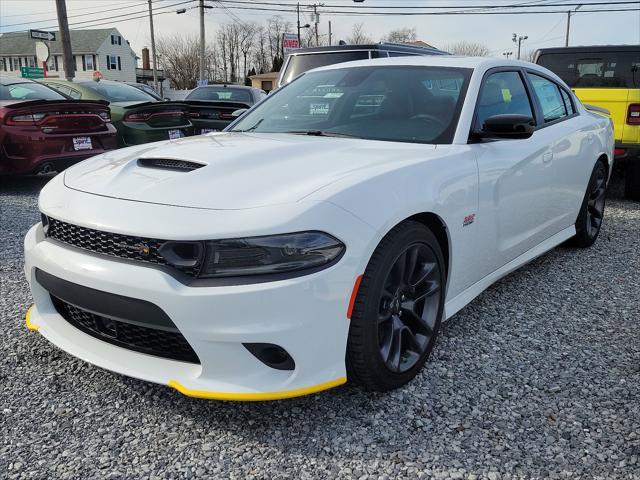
[(468, 220)]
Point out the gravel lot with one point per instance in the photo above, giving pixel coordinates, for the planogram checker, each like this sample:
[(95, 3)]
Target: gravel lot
[(538, 378)]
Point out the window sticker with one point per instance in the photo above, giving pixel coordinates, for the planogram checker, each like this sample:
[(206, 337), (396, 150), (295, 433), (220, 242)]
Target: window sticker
[(319, 109)]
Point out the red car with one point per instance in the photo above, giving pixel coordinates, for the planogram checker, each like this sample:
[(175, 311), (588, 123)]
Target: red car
[(43, 131)]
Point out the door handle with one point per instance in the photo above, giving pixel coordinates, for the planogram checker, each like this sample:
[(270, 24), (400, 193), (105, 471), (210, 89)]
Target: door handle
[(547, 157)]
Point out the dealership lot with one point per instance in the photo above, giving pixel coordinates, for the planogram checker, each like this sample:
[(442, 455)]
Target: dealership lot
[(538, 377)]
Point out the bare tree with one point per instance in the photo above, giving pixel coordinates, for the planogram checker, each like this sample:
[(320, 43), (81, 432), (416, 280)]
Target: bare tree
[(179, 58), (358, 35), (401, 35), (276, 26), (469, 49)]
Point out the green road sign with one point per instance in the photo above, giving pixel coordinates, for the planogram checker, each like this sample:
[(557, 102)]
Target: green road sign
[(32, 72)]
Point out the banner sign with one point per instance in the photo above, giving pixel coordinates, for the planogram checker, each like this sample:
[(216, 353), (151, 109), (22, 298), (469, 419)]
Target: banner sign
[(289, 42)]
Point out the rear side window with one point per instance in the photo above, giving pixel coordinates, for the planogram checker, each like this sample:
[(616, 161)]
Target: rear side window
[(502, 93), (302, 63), (595, 70), (568, 105), (28, 91), (549, 97)]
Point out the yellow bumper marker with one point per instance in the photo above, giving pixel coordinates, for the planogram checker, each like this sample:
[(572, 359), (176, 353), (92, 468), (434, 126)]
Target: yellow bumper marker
[(27, 320), (258, 396)]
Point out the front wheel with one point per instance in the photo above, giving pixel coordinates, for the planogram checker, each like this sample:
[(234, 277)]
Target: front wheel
[(591, 214), (398, 309)]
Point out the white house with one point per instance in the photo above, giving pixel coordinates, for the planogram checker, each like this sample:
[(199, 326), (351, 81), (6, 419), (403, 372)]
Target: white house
[(103, 50)]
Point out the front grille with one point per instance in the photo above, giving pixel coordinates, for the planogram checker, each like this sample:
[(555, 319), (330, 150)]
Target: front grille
[(152, 341), (169, 164), (113, 244)]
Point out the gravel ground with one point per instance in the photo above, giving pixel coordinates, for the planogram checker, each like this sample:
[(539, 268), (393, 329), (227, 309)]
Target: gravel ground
[(538, 378)]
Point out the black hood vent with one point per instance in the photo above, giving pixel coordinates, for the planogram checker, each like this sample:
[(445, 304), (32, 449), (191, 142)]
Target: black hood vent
[(169, 164)]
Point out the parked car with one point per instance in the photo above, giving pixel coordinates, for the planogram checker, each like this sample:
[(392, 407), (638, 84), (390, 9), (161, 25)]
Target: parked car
[(319, 236), (146, 89), (304, 59), (211, 107), (42, 131), (607, 77), (138, 117)]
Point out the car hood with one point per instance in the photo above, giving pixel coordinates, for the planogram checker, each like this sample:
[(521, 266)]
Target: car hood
[(241, 170)]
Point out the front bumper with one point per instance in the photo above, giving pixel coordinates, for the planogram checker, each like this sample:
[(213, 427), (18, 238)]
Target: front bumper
[(307, 316)]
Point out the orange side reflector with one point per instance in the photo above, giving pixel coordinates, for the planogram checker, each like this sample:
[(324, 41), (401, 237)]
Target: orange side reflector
[(354, 294)]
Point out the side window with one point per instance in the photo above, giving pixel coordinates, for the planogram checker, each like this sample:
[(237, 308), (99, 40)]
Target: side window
[(567, 102), (502, 93), (548, 94)]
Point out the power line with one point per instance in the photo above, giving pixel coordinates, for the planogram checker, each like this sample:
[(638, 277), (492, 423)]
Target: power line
[(53, 13), (95, 13)]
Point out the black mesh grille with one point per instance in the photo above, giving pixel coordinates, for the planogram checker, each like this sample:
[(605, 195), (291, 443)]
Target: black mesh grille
[(169, 164), (113, 244), (161, 343)]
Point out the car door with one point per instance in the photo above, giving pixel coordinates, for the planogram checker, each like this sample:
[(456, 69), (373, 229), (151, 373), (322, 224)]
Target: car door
[(514, 213), (572, 147)]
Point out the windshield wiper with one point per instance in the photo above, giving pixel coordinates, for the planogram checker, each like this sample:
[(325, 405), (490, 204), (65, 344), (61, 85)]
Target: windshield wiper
[(250, 129), (321, 133)]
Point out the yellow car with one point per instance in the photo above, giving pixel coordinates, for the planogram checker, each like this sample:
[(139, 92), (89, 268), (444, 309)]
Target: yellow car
[(607, 77)]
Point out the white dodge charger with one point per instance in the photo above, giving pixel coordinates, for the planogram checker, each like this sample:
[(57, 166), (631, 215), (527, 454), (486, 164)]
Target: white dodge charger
[(325, 235)]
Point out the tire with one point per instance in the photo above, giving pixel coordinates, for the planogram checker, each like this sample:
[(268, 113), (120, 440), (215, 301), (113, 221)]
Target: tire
[(632, 179), (386, 350), (589, 221)]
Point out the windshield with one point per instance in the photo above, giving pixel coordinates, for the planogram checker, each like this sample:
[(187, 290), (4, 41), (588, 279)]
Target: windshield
[(228, 94), (118, 92), (394, 103), (28, 91), (302, 63), (596, 69)]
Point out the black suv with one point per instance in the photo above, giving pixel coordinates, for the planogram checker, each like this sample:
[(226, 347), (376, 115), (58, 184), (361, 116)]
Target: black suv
[(304, 59)]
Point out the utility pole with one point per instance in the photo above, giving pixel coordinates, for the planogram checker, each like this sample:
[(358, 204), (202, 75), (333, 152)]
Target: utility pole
[(153, 48), (67, 56), (329, 32), (201, 39), (315, 19), (519, 39), (298, 12), (566, 39)]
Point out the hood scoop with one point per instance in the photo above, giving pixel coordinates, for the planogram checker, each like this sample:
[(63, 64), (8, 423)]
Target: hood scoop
[(169, 164)]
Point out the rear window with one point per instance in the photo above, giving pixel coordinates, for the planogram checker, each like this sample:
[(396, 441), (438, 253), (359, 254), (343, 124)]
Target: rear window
[(228, 94), (118, 92), (595, 70), (302, 63), (28, 91)]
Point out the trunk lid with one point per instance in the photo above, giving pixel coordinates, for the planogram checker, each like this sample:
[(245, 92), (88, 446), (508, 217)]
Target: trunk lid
[(59, 116), (155, 114)]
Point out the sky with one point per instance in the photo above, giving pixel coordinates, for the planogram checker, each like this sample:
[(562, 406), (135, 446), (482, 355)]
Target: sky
[(494, 31)]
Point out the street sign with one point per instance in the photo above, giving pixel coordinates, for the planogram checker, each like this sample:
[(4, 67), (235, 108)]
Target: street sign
[(42, 35), (289, 42), (42, 52), (32, 72)]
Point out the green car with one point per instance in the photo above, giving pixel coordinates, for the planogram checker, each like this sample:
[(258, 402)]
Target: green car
[(137, 116)]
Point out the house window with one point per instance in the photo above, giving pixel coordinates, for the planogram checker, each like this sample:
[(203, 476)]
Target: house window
[(88, 63), (112, 62), (116, 39), (119, 64), (3, 65)]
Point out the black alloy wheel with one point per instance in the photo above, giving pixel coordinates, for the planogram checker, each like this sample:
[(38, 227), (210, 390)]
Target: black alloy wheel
[(591, 215), (409, 307), (596, 201), (398, 309)]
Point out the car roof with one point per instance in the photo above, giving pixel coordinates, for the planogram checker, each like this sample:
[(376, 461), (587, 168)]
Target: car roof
[(399, 47), (226, 85), (435, 61), (591, 49), (13, 81)]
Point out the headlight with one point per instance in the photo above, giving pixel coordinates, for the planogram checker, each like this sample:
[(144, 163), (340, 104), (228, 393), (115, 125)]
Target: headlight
[(290, 252)]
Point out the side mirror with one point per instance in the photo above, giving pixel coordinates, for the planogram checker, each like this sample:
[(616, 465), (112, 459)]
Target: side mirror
[(507, 126), (239, 112)]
